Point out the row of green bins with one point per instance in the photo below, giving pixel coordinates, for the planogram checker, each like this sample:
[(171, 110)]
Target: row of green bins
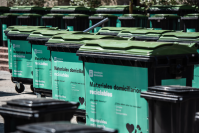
[(29, 19), (114, 30), (76, 22), (53, 20), (185, 38), (62, 127), (6, 20), (133, 20), (41, 58), (190, 22), (67, 70), (165, 22), (142, 34), (116, 72), (22, 70), (19, 112), (172, 108), (98, 17), (117, 10)]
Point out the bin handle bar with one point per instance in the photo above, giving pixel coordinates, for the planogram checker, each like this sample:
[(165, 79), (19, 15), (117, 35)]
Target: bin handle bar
[(96, 25)]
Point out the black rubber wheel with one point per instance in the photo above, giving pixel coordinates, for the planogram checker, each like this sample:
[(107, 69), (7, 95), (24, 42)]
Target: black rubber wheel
[(21, 89), (32, 89), (80, 119)]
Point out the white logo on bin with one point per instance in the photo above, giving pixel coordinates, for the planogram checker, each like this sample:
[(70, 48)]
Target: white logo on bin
[(58, 59), (16, 46), (91, 73), (37, 51)]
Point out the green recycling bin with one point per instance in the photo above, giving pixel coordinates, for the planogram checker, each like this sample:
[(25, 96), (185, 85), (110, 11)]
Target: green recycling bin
[(117, 10), (98, 17), (143, 34), (165, 21), (76, 22), (185, 38), (72, 9), (116, 72), (41, 58), (190, 22), (6, 19), (133, 20), (27, 9), (10, 46), (67, 70), (29, 19), (22, 67), (114, 30), (53, 20)]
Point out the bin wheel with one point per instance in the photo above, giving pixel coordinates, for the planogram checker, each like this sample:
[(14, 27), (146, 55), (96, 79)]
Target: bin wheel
[(19, 87), (80, 120), (32, 89)]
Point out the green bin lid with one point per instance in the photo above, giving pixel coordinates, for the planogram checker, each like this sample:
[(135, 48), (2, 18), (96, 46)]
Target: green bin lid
[(143, 34), (75, 16), (25, 32), (182, 7), (159, 8), (26, 8), (114, 30), (70, 8), (115, 8), (51, 15), (102, 16), (46, 34), (74, 41), (164, 16), (184, 37), (28, 15), (190, 16), (132, 16), (6, 15), (129, 49)]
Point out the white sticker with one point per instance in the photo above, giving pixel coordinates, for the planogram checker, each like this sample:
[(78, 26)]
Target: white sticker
[(178, 20)]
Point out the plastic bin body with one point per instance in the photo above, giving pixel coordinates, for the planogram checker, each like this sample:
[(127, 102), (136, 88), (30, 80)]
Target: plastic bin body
[(173, 110), (76, 22), (53, 20), (6, 20), (41, 56), (165, 22), (117, 10), (67, 70), (63, 127), (34, 111), (22, 67), (191, 22), (98, 17), (197, 122), (29, 19), (113, 82), (133, 20), (184, 38)]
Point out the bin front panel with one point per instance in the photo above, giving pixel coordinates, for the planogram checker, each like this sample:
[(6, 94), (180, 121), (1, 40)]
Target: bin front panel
[(68, 78), (195, 82), (4, 26), (21, 59), (113, 97), (41, 67)]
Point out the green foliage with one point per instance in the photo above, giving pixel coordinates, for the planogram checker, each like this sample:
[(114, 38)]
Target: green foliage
[(32, 2), (86, 3)]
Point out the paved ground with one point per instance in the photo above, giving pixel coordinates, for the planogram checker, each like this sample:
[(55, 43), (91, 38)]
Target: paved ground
[(7, 92)]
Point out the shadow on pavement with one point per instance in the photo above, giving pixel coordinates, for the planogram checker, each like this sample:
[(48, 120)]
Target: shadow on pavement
[(2, 94), (3, 79)]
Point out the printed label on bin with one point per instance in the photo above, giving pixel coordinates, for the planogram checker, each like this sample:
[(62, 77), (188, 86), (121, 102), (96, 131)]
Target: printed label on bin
[(191, 30), (41, 67), (70, 28), (21, 59), (195, 82), (113, 97), (9, 54), (4, 26), (68, 78)]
